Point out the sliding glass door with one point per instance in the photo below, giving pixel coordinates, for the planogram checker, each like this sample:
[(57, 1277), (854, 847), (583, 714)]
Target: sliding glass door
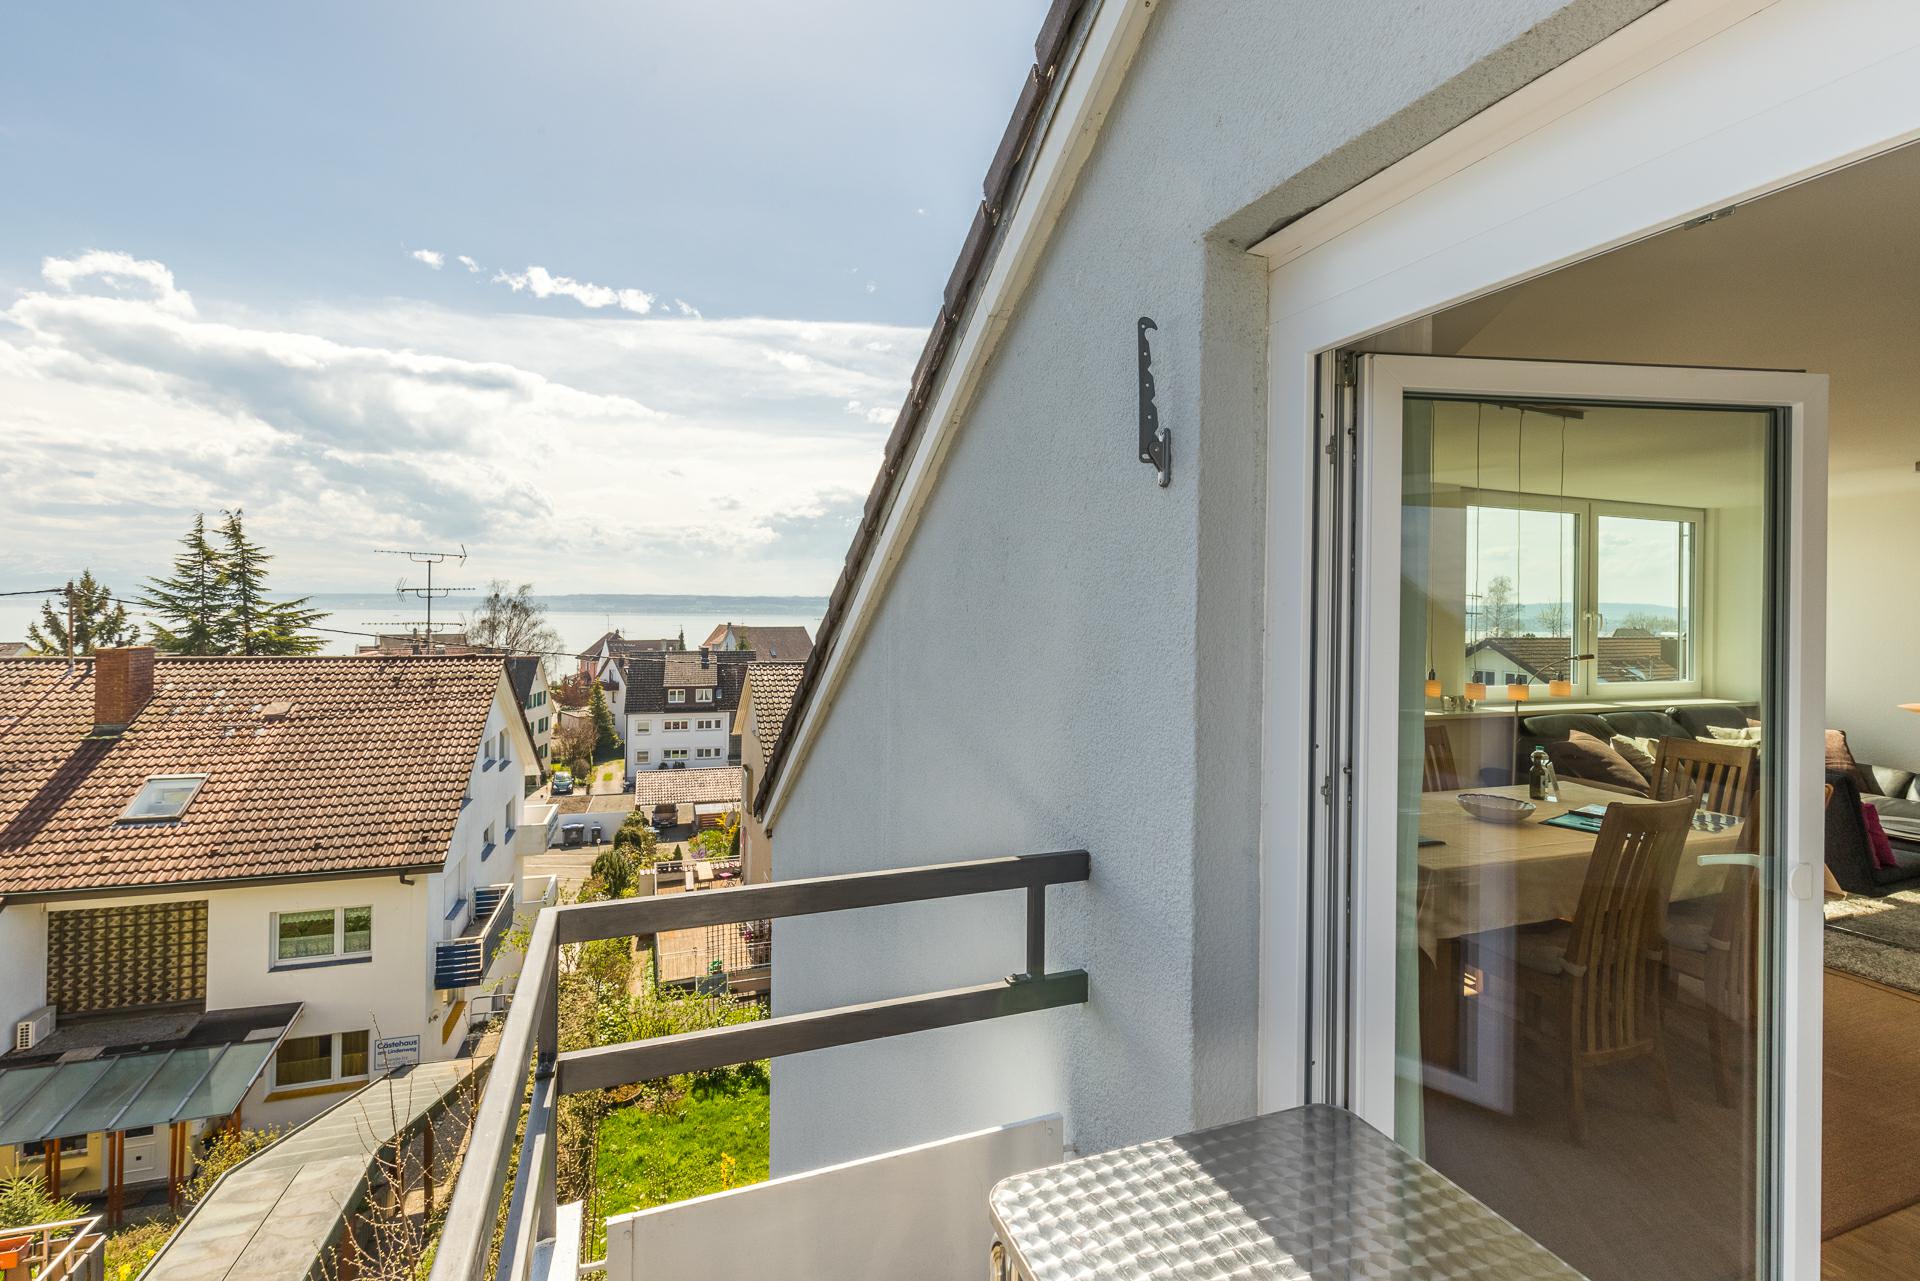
[(1580, 705)]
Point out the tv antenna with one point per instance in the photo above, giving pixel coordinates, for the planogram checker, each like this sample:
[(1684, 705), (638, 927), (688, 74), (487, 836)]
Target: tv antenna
[(429, 593)]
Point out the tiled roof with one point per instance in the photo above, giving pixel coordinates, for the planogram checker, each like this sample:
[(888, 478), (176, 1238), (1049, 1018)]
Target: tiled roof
[(521, 671), (770, 690), (365, 772), (12, 649), (615, 644), (653, 787), (784, 644), (975, 249), (650, 676), (1620, 658)]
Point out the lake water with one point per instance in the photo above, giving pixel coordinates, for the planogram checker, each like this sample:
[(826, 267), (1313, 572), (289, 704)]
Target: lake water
[(578, 628)]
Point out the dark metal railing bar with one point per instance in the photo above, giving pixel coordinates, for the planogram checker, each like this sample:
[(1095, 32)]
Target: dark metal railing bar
[(609, 1065), (636, 917), (1036, 930)]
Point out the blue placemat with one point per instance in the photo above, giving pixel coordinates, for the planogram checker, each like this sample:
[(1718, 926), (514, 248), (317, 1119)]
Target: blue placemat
[(1575, 822)]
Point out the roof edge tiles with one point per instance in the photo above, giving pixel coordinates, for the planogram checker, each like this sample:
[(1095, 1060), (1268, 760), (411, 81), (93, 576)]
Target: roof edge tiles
[(1035, 92)]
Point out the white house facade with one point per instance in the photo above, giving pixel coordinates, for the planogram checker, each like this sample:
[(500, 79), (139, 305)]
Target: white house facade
[(261, 881), (679, 709)]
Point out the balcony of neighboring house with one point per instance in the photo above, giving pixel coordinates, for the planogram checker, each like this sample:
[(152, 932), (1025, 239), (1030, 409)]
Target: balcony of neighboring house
[(63, 1250), (463, 961)]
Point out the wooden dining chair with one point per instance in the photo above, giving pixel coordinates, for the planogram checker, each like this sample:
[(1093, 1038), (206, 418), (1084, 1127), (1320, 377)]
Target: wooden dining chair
[(1721, 954), (1438, 772), (1596, 979), (1721, 775)]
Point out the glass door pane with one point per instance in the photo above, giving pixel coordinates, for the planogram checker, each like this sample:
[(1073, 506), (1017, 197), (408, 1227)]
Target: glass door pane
[(1582, 1010)]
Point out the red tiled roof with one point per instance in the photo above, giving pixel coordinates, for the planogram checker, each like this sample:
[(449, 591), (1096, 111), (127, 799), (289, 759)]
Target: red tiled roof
[(770, 688), (365, 773), (663, 786)]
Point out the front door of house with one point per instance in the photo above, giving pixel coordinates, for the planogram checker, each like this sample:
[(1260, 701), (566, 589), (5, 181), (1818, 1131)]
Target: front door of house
[(1571, 739)]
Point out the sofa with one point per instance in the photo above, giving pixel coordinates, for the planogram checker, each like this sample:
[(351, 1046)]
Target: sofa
[(1848, 856), (1632, 722)]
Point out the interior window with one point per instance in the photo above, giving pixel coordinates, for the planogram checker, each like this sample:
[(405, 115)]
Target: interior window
[(1644, 567), (353, 1053)]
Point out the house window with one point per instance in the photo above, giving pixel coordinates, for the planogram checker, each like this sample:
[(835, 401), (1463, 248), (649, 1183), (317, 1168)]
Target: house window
[(643, 727), (162, 797), (710, 722), (323, 934), (672, 725), (315, 1060), (506, 824), (674, 754), (640, 757), (676, 696), (707, 753), (703, 696)]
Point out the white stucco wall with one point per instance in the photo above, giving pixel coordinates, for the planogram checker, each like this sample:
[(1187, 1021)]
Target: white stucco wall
[(23, 963), (655, 739), (1070, 656)]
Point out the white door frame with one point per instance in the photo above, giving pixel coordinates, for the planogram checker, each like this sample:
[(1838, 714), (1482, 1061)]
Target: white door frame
[(1799, 751), (1698, 105)]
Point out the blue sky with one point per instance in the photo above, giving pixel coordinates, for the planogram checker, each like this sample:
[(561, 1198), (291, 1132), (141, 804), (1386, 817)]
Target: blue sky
[(623, 296)]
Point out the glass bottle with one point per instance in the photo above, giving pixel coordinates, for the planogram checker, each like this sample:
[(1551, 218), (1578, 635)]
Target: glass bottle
[(1542, 783)]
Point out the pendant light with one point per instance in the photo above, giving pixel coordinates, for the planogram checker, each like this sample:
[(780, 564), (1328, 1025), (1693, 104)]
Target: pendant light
[(1476, 690), (1561, 686)]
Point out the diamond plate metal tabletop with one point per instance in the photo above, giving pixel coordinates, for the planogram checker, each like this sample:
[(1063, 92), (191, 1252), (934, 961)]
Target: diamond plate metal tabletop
[(1311, 1193)]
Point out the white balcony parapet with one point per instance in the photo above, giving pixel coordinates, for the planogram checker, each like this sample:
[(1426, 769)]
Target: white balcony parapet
[(919, 1212)]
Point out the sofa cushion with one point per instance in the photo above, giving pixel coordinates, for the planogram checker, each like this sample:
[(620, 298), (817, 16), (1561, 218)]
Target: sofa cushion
[(1582, 756), (1637, 752), (1877, 843), (1840, 759), (1699, 722), (1888, 780), (1898, 815), (1556, 725), (1640, 722)]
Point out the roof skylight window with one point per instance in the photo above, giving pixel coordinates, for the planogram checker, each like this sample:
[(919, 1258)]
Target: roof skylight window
[(163, 797)]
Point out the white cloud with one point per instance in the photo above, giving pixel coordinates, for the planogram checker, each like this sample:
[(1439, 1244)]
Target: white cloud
[(542, 283), (871, 286), (468, 263), (432, 257), (687, 308), (341, 430), (119, 270), (921, 212)]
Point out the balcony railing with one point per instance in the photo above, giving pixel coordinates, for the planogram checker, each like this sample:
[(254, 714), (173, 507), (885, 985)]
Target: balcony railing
[(464, 961), (68, 1248), (534, 1222)]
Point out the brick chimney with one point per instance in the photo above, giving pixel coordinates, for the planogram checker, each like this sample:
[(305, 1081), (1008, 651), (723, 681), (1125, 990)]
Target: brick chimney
[(122, 684)]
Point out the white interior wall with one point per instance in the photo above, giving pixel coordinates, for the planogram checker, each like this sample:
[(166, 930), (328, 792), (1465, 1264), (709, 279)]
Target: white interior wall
[(1824, 277)]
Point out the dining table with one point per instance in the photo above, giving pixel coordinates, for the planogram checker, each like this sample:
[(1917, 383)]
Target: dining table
[(1477, 877)]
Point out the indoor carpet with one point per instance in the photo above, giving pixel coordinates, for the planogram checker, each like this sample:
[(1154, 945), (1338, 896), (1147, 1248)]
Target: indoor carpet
[(1870, 1164), (1877, 939)]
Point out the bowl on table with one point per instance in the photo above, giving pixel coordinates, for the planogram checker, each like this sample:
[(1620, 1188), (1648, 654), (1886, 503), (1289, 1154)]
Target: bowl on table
[(1489, 808)]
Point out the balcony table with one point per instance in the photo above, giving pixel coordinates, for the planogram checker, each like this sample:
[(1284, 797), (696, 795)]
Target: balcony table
[(1312, 1192)]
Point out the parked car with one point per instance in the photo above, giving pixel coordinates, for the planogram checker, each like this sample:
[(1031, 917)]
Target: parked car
[(562, 783)]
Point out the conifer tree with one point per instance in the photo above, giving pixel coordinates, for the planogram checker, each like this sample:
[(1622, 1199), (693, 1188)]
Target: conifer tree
[(191, 603), (254, 623), (99, 621), (606, 741)]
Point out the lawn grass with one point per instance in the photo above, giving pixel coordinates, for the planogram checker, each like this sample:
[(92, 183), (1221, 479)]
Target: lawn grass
[(715, 1139)]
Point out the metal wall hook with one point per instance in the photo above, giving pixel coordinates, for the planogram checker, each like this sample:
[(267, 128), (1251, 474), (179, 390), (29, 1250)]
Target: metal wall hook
[(1156, 442)]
